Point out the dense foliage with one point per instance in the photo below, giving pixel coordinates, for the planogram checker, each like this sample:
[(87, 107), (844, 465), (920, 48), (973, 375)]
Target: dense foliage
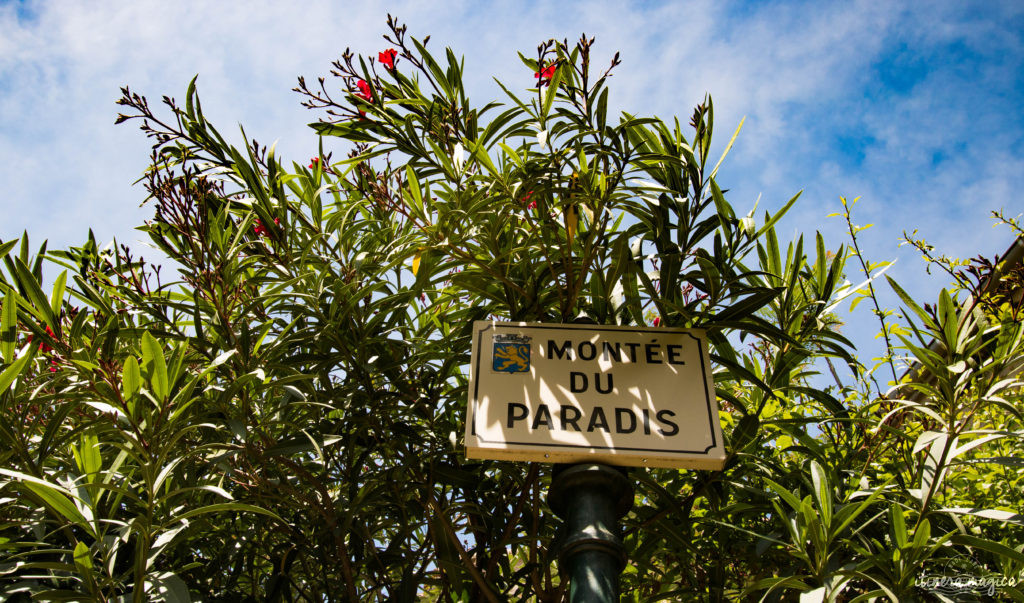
[(282, 419)]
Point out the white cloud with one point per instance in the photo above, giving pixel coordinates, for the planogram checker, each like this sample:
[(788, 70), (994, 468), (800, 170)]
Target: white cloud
[(935, 155)]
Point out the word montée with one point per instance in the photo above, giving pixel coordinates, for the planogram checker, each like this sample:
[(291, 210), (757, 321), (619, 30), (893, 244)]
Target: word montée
[(651, 353), (634, 353)]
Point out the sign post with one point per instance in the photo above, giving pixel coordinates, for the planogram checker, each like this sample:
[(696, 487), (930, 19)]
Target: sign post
[(591, 498), (593, 399)]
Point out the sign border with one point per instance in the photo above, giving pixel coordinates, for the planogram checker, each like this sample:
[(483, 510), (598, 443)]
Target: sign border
[(473, 401)]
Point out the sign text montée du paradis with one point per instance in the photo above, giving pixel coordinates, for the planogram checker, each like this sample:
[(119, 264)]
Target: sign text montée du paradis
[(577, 393)]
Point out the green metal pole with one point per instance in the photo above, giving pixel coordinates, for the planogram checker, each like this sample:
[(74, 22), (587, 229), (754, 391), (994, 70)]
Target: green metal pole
[(591, 498)]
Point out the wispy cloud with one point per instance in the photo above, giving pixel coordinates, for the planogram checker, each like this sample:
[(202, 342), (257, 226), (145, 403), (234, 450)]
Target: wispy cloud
[(913, 106)]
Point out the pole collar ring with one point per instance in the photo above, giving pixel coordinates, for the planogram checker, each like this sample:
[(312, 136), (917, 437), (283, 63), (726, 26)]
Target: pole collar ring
[(584, 544)]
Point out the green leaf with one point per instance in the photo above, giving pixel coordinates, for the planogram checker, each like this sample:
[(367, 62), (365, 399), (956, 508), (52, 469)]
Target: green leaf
[(909, 301), (166, 471), (219, 360), (783, 582), (90, 461), (998, 515), (131, 377), (922, 535), (725, 210), (413, 186), (348, 131), (745, 431), (602, 109), (223, 507), (156, 365), (850, 511), (791, 499), (898, 526), (993, 547), (959, 450), (57, 295), (56, 498), (190, 95), (6, 248), (39, 304), (934, 467), (83, 558), (552, 91), (171, 588), (728, 147), (14, 370), (925, 439), (9, 326), (822, 492), (747, 306), (778, 215)]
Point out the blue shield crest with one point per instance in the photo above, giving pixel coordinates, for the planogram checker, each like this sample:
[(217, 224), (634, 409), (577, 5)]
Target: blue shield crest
[(511, 354)]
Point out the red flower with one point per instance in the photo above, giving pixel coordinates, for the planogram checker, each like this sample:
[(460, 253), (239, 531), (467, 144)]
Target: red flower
[(364, 90), (657, 321), (261, 230), (545, 75), (526, 199), (315, 161), (43, 347), (387, 58)]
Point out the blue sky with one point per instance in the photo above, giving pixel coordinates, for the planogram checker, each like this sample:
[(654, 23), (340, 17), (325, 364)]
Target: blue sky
[(915, 107)]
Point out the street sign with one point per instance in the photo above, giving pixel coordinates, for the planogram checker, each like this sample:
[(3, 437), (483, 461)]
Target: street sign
[(573, 393)]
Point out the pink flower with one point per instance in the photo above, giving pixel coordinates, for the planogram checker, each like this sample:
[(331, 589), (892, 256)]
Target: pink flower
[(545, 74), (363, 91), (387, 58)]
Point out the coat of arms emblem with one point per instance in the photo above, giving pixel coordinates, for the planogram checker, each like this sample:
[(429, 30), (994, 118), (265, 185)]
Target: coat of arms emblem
[(511, 354)]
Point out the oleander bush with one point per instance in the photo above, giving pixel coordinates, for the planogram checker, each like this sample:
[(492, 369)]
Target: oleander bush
[(275, 412)]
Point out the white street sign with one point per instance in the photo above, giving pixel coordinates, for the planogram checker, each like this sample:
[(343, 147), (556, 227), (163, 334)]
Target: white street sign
[(570, 393)]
